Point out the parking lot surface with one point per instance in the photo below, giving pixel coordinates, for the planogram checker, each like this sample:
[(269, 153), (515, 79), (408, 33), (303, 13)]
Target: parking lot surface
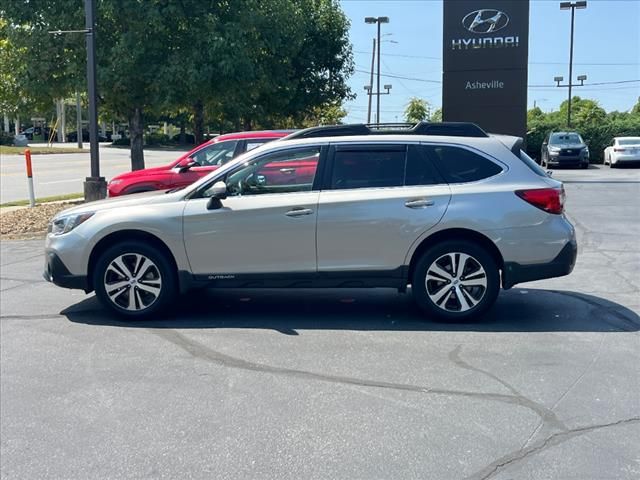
[(335, 383)]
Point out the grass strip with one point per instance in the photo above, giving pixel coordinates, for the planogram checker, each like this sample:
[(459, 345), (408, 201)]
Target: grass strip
[(55, 198)]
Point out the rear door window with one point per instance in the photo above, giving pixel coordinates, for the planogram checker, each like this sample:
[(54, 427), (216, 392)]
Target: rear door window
[(459, 165), (368, 167)]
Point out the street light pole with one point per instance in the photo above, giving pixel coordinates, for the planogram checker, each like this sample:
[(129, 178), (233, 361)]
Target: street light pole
[(572, 6), (373, 57), (95, 186)]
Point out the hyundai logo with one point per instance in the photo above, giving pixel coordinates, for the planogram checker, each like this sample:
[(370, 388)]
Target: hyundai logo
[(485, 21)]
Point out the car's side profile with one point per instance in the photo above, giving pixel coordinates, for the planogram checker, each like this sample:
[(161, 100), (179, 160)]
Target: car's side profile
[(193, 165), (454, 217), (622, 150), (564, 149)]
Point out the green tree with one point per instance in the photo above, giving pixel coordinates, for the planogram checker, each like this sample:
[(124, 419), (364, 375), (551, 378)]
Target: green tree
[(636, 108), (417, 110), (436, 116)]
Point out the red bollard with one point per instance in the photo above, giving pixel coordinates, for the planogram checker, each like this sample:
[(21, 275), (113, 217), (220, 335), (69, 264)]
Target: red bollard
[(32, 198)]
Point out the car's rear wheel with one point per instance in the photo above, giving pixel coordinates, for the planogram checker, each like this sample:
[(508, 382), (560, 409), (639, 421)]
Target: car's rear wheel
[(455, 281), (135, 280)]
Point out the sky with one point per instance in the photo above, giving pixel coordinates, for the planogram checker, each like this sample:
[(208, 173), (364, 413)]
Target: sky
[(606, 49)]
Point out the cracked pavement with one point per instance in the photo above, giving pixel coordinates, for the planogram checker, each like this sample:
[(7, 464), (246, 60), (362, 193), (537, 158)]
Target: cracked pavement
[(335, 384)]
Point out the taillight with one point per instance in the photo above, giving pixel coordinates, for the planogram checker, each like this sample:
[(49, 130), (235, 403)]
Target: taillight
[(550, 200), (618, 149)]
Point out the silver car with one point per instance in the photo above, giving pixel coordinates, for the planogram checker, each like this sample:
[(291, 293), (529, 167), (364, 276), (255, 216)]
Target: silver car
[(451, 211)]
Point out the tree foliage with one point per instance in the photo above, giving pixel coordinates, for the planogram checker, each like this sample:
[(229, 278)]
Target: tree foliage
[(417, 110), (246, 63)]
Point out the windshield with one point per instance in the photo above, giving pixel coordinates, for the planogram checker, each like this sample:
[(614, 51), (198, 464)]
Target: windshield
[(558, 138), (629, 141), (221, 172), (215, 154)]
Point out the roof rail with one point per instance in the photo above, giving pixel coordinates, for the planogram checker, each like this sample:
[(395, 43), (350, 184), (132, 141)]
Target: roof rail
[(452, 129)]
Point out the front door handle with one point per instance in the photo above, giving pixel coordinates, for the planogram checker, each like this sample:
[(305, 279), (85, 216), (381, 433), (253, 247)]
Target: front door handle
[(299, 212), (287, 170), (420, 203)]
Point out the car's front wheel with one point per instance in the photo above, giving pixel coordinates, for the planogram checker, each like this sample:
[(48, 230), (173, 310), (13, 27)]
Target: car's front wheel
[(455, 281), (135, 280)]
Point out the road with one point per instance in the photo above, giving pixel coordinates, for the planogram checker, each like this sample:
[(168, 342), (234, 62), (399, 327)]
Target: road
[(57, 174), (335, 384)]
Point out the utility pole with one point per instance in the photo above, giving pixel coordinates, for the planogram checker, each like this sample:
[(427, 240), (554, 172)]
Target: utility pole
[(378, 21), (572, 6)]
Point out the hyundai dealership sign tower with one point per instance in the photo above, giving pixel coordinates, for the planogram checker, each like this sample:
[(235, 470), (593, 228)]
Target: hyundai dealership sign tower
[(485, 56)]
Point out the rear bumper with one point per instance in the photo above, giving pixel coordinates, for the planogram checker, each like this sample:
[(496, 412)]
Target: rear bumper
[(561, 265), (56, 272)]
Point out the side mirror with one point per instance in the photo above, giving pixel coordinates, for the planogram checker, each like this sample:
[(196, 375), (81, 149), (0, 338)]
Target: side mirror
[(217, 192), (188, 165)]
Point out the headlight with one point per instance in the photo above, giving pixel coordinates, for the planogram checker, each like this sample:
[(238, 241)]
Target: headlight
[(114, 182), (554, 149), (65, 224)]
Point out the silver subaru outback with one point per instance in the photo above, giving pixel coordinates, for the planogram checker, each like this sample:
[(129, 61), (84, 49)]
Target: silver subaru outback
[(446, 208)]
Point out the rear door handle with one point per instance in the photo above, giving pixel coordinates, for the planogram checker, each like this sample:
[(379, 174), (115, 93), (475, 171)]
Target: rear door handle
[(420, 203), (299, 212)]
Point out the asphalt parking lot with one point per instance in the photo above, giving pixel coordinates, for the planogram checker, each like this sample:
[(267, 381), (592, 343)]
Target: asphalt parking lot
[(335, 384)]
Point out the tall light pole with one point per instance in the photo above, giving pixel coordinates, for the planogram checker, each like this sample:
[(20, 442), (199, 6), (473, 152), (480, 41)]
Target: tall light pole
[(572, 6), (379, 21), (373, 58), (95, 186)]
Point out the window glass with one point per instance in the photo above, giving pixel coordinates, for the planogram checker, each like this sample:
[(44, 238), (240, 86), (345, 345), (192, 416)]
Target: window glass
[(531, 163), (419, 169), (216, 154), (459, 165), (251, 144), (629, 141), (278, 172), (559, 138), (368, 168)]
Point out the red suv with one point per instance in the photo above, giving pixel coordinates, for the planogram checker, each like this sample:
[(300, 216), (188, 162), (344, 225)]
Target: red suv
[(192, 165)]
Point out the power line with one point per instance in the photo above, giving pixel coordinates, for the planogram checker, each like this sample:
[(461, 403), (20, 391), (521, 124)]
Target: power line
[(402, 77), (530, 63), (425, 80)]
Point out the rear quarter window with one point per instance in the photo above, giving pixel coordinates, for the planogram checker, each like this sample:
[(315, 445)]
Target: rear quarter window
[(530, 162), (459, 165)]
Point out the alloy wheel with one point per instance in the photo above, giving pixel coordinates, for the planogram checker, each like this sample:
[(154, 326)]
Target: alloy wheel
[(132, 281), (456, 282)]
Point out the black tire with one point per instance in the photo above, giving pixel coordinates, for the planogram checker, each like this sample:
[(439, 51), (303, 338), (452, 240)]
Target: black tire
[(445, 310), (160, 272)]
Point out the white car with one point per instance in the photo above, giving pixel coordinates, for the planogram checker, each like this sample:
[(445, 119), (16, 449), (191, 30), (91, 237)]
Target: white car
[(623, 149)]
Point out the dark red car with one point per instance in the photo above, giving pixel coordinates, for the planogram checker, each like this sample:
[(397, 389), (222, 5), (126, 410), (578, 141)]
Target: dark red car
[(193, 165)]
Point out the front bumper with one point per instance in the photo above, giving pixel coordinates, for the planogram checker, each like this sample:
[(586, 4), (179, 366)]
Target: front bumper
[(55, 271), (561, 265)]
